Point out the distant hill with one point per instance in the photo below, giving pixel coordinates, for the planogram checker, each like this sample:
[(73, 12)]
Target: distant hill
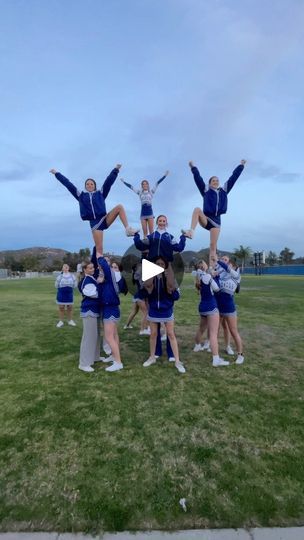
[(48, 255)]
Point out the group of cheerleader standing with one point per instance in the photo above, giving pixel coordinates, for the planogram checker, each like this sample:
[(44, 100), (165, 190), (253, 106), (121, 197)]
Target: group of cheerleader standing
[(102, 280)]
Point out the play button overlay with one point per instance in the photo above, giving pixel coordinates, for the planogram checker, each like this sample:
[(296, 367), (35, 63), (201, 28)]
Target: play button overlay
[(149, 270), (132, 262)]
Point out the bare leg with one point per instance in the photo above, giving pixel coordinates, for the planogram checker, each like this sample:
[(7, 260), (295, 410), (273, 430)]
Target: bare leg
[(151, 225), (173, 341), (226, 332), (144, 224), (214, 234), (201, 329), (70, 312), (213, 326), (114, 213), (153, 337), (134, 311), (110, 333), (198, 217), (61, 312), (98, 240), (142, 306), (232, 324)]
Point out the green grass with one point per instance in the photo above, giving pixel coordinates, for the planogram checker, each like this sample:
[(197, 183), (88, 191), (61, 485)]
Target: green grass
[(93, 452)]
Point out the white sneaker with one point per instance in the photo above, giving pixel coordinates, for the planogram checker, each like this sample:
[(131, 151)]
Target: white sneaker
[(106, 348), (130, 231), (107, 359), (60, 324), (171, 359), (149, 362), (198, 347), (101, 359), (189, 233), (143, 332), (164, 337), (208, 350), (116, 366), (87, 369), (72, 323), (127, 326), (206, 346), (220, 362), (180, 368), (240, 359), (229, 350)]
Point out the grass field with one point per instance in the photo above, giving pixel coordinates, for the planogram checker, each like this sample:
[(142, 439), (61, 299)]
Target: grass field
[(101, 451)]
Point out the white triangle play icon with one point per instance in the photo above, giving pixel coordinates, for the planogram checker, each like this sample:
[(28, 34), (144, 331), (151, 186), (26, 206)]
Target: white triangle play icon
[(149, 270)]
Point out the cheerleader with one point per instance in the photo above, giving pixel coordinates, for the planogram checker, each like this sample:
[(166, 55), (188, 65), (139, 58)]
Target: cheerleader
[(90, 316), (215, 204), (146, 195), (209, 313), (228, 279), (93, 208), (160, 310), (65, 283), (112, 284)]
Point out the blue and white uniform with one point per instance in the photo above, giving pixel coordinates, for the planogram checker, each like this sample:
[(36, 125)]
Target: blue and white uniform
[(113, 284), (160, 244), (146, 197), (90, 304), (160, 302), (208, 286), (65, 283), (215, 200), (228, 280), (91, 204), (89, 313)]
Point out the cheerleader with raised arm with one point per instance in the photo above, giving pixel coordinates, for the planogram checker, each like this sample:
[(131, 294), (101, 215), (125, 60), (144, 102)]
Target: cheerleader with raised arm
[(215, 204), (146, 195), (93, 208)]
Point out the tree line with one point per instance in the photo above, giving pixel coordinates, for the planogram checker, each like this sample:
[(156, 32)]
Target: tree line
[(244, 256)]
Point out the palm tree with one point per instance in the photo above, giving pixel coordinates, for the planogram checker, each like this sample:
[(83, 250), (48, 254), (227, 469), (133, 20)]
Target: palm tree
[(286, 255), (242, 253)]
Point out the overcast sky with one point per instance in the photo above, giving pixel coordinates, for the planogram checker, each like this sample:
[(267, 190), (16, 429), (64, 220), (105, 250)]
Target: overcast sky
[(152, 84)]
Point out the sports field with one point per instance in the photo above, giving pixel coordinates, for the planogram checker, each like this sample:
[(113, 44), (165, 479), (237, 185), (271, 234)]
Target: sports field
[(102, 451)]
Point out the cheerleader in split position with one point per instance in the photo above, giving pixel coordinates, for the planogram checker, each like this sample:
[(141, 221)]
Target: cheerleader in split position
[(209, 313), (146, 195), (92, 206), (160, 310), (215, 204), (65, 283)]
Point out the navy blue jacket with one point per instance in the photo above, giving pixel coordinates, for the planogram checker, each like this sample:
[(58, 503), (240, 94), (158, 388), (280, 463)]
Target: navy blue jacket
[(91, 204), (160, 245), (160, 301), (216, 200), (89, 303), (109, 289)]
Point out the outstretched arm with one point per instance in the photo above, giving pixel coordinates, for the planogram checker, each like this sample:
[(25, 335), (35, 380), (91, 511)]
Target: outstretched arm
[(178, 246), (142, 245), (66, 183), (109, 181), (233, 178), (159, 182), (130, 186), (198, 179)]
